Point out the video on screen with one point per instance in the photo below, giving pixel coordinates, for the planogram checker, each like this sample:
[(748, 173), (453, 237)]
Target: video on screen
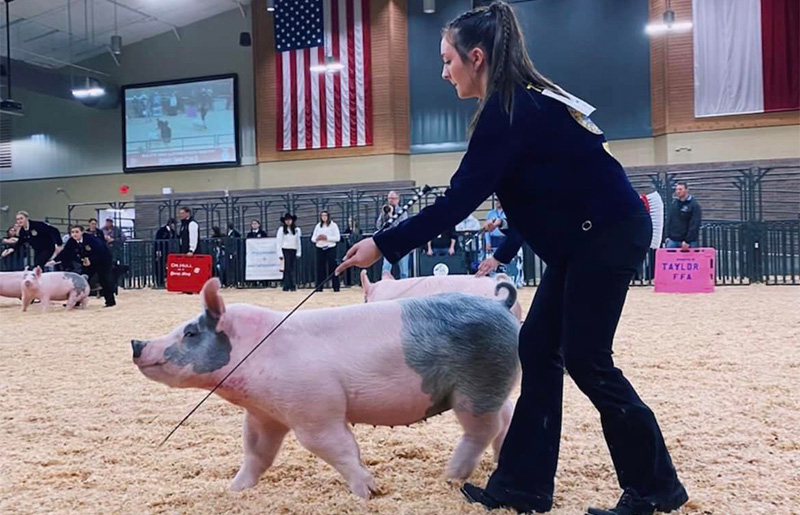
[(181, 124)]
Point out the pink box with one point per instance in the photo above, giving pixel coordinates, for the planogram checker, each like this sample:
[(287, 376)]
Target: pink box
[(689, 271)]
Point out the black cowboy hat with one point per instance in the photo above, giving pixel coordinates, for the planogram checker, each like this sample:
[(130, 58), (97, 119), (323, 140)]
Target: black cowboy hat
[(289, 215)]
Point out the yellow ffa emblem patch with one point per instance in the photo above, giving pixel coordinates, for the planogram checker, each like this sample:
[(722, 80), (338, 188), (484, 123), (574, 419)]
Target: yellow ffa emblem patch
[(585, 121), (34, 233), (88, 248)]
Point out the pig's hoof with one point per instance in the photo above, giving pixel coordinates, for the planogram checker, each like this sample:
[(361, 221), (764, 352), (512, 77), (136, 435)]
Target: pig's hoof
[(459, 472), (242, 483), (365, 489)]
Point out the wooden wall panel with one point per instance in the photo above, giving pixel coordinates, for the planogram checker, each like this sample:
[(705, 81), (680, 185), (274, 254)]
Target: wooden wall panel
[(390, 103), (672, 83)]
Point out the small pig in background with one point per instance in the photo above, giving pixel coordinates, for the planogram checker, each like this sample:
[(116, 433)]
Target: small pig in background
[(404, 361), (67, 286), (10, 283), (389, 288)]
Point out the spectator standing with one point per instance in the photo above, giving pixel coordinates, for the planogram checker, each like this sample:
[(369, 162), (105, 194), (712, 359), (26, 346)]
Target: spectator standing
[(288, 236), (256, 231), (388, 210), (164, 236), (443, 244), (189, 233), (683, 220), (232, 232), (326, 237), (94, 230)]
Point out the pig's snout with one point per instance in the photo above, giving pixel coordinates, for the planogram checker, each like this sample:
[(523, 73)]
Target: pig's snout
[(137, 345)]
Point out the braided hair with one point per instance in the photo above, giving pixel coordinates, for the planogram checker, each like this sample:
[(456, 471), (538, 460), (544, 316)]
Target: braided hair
[(496, 31)]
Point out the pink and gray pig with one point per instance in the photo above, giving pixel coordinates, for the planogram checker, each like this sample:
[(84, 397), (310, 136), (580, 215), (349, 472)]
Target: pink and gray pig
[(401, 362), (64, 286), (389, 288)]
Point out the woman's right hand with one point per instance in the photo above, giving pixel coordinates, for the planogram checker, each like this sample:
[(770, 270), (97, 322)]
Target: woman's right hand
[(487, 266)]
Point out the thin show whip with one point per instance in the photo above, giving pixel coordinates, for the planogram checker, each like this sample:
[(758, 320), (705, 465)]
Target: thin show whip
[(423, 192)]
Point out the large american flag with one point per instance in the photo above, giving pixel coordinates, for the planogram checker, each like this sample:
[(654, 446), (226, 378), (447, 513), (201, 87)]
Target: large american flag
[(323, 109)]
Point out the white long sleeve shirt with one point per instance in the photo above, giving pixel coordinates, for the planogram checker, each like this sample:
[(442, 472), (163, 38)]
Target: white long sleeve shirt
[(330, 231), (289, 241)]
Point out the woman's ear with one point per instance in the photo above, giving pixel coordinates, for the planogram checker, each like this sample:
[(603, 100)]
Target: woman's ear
[(477, 57)]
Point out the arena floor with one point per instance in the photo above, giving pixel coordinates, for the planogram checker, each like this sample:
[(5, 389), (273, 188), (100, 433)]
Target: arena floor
[(79, 424)]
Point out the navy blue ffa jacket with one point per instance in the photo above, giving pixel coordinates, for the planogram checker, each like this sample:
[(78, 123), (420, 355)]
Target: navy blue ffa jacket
[(550, 168), (90, 247), (41, 236)]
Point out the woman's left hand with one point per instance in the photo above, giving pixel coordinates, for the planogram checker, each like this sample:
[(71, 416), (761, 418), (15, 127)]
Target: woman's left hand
[(363, 255)]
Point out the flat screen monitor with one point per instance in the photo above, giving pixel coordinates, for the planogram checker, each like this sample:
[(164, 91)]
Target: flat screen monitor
[(188, 123)]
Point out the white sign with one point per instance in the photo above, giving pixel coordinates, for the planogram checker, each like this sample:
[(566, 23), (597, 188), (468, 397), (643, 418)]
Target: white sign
[(262, 263)]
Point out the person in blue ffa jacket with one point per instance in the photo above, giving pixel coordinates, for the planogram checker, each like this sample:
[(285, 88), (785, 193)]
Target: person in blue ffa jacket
[(94, 257), (43, 238), (533, 144)]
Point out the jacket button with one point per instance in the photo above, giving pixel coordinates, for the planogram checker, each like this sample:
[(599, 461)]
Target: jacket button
[(587, 225)]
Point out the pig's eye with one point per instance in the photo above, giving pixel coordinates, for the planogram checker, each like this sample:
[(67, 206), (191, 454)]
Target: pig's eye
[(189, 334)]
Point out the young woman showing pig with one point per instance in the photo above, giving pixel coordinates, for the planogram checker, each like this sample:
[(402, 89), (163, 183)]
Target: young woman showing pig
[(533, 144)]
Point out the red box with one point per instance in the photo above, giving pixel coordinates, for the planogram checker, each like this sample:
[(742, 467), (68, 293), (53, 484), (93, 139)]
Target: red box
[(188, 273), (685, 271)]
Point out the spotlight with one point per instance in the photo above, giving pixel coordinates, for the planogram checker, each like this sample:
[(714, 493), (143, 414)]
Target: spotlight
[(116, 44), (429, 6), (270, 6), (668, 24)]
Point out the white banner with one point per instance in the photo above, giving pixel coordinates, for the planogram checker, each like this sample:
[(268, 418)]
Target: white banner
[(262, 263), (728, 74)]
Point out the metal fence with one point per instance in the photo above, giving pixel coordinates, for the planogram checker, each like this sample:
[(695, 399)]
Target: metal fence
[(747, 253)]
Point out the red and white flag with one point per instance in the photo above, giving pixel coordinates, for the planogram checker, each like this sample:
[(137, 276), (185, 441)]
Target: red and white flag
[(746, 56), (323, 63)]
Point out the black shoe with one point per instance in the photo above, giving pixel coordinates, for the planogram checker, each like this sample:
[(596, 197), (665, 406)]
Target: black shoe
[(110, 305), (477, 495), (632, 503)]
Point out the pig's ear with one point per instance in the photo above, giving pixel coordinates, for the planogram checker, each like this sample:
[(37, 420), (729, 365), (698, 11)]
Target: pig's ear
[(212, 300), (38, 271), (387, 276)]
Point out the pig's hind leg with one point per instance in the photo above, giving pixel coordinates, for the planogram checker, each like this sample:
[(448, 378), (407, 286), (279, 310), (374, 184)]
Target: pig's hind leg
[(335, 443), (71, 300), (479, 431), (506, 412), (261, 441)]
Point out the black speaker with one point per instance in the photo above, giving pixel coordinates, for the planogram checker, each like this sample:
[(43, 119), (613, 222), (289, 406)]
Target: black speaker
[(244, 39)]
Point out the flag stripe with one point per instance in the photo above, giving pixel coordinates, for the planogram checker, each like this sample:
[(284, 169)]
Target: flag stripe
[(288, 130), (330, 115), (344, 75), (780, 34), (319, 107), (301, 101), (279, 141), (307, 79), (358, 44), (336, 77), (293, 100), (323, 109), (366, 24), (727, 57), (351, 73)]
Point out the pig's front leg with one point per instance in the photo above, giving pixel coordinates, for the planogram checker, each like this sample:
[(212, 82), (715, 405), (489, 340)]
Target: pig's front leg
[(26, 300), (335, 443), (45, 300), (261, 440)]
